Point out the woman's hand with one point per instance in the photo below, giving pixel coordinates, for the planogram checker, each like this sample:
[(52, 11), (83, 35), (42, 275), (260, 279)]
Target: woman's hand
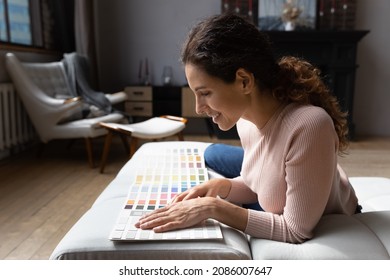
[(212, 188), (194, 206), (178, 215)]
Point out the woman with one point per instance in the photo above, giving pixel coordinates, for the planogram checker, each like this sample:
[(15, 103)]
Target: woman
[(291, 131)]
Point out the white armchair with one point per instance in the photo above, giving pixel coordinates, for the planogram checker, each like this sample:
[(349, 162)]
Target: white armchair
[(44, 91)]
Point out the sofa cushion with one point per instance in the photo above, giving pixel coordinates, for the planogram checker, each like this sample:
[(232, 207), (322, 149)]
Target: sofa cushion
[(337, 237), (379, 224), (361, 236), (373, 192)]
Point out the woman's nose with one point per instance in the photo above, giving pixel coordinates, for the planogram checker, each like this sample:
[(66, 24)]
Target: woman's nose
[(199, 106)]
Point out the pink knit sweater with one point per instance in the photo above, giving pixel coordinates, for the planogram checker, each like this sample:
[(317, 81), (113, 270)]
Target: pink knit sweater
[(290, 167)]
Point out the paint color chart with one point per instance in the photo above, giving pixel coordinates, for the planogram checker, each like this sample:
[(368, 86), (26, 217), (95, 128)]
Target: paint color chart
[(160, 177)]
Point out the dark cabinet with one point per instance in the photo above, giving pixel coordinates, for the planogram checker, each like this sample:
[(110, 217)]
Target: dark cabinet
[(166, 100)]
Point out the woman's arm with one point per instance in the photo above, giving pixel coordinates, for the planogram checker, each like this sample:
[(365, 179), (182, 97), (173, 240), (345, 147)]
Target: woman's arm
[(240, 193)]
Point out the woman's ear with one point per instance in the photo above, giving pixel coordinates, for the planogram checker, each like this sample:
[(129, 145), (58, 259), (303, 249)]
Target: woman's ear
[(245, 80)]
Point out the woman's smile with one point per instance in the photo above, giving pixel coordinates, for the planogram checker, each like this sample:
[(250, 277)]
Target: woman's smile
[(214, 116)]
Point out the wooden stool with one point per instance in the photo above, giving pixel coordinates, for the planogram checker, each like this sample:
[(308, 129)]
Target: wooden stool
[(152, 129)]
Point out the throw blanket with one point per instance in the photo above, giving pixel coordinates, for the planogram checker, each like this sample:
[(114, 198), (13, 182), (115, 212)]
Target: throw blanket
[(77, 71)]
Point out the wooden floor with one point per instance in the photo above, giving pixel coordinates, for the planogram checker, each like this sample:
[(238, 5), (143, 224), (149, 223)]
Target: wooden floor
[(41, 198)]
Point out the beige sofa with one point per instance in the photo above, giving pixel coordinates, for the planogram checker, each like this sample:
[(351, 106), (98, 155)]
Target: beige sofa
[(361, 236)]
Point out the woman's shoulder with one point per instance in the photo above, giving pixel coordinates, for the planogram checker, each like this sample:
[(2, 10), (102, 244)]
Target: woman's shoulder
[(292, 118), (308, 115)]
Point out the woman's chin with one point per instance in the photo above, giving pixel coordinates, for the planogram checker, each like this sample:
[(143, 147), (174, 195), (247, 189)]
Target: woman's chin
[(222, 123), (224, 127)]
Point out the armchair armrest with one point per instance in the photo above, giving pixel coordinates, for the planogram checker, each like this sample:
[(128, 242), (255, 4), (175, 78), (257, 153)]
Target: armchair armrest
[(116, 97), (175, 118), (72, 99), (63, 109)]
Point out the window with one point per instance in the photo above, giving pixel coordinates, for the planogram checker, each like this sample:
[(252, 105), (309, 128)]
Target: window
[(3, 25), (15, 22), (46, 24)]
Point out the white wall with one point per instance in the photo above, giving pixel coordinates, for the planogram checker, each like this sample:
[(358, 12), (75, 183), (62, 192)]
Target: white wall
[(372, 88), (132, 30)]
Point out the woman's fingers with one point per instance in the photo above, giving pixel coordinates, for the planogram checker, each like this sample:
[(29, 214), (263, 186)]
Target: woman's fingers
[(146, 221), (190, 194), (173, 216)]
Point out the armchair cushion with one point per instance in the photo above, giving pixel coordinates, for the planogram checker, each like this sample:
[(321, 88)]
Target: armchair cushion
[(51, 79), (66, 79)]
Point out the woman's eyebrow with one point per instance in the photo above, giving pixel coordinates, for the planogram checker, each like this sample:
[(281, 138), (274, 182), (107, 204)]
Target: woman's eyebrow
[(199, 87)]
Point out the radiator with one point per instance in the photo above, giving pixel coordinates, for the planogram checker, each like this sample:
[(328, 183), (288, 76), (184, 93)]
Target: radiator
[(16, 130)]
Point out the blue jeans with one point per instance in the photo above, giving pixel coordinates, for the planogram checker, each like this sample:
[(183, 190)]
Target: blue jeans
[(227, 161), (224, 159)]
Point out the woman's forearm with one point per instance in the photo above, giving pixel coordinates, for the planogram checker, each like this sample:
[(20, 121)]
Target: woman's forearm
[(224, 186), (229, 214)]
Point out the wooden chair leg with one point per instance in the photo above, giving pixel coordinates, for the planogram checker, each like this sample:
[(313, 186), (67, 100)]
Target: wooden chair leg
[(88, 146), (180, 136), (125, 143), (106, 150), (133, 146)]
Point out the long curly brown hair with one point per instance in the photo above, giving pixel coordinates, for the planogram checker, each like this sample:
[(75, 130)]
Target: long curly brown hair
[(222, 44), (300, 82)]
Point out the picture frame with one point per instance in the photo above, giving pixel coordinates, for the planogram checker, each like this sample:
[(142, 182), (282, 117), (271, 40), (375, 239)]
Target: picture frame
[(287, 15)]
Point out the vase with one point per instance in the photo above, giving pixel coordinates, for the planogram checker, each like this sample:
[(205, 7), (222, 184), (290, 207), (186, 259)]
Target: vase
[(289, 26), (167, 76)]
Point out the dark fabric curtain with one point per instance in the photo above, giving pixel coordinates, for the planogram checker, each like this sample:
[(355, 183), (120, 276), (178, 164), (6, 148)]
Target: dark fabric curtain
[(58, 25), (85, 35)]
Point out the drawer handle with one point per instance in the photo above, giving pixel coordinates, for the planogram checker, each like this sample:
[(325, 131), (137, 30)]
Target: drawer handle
[(138, 108), (138, 92)]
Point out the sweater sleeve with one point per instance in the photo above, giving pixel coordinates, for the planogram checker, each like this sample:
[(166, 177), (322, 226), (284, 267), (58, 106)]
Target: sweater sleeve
[(310, 171)]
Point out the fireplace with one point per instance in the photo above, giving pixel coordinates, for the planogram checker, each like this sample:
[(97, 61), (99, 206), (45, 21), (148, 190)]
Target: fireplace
[(334, 52)]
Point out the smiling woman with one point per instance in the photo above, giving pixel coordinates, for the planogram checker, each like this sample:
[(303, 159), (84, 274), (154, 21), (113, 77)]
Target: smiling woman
[(291, 130)]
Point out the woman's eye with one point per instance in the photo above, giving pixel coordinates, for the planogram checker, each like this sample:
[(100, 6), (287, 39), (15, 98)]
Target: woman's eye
[(204, 93)]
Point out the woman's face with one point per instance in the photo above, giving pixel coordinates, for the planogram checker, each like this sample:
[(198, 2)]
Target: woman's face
[(224, 102)]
